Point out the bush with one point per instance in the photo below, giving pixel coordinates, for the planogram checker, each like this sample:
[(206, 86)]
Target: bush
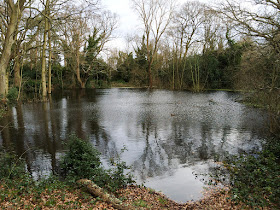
[(117, 176), (12, 94), (12, 167), (83, 161), (255, 178), (13, 173), (31, 85)]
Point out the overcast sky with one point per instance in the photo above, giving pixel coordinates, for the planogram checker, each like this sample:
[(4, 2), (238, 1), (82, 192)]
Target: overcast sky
[(129, 22)]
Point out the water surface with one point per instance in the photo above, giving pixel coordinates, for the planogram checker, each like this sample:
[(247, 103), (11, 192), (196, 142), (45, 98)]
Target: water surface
[(169, 136)]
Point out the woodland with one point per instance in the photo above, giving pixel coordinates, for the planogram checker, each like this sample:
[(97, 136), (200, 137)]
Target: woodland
[(48, 45), (55, 44)]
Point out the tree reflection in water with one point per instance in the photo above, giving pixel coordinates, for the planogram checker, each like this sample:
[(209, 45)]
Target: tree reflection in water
[(169, 136)]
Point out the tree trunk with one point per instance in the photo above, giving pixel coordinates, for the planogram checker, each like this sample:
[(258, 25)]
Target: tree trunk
[(7, 51), (7, 81), (150, 75), (151, 60), (111, 199), (17, 77), (173, 72), (43, 75), (78, 73), (15, 16), (50, 60)]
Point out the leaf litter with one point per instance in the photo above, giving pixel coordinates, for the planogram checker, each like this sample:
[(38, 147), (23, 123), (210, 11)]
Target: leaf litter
[(138, 196)]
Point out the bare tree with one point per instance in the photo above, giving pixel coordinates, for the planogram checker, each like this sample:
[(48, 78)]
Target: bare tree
[(10, 15), (46, 28), (156, 16), (73, 38), (260, 20), (52, 17), (184, 31), (76, 32), (213, 29)]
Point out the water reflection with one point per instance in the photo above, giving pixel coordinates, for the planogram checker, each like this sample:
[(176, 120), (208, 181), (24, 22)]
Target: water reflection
[(169, 136)]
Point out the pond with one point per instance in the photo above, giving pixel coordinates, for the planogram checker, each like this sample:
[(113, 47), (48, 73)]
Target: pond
[(170, 137)]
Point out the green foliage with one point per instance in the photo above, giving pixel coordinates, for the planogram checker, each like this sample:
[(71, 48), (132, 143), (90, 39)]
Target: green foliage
[(2, 111), (141, 55), (210, 64), (162, 201), (94, 45), (219, 67), (58, 72), (117, 176), (125, 66), (51, 183), (140, 203), (31, 85), (13, 175), (255, 178), (83, 161), (12, 94), (31, 71), (12, 167)]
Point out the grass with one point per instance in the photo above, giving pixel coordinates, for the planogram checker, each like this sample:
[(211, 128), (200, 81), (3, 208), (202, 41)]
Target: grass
[(162, 201), (140, 203), (122, 84)]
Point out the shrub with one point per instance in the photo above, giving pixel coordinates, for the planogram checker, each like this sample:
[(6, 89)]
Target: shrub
[(13, 173), (82, 160), (30, 86), (12, 94), (118, 177), (12, 167), (255, 178)]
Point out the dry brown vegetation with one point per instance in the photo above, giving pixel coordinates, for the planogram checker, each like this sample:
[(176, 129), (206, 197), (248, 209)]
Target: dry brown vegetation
[(139, 197)]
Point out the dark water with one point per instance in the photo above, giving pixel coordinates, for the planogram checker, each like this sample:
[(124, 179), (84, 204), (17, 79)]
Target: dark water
[(169, 136)]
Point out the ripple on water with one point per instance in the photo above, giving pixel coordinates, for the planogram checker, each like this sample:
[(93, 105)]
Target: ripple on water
[(169, 136)]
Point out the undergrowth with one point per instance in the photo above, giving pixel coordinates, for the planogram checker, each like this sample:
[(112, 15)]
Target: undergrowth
[(12, 167), (255, 178), (12, 94), (83, 161)]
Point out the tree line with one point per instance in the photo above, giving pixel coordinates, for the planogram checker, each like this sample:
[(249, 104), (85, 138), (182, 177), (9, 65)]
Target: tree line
[(50, 44)]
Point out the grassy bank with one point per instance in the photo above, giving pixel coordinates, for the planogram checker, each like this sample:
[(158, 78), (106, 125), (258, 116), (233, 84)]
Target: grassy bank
[(120, 84)]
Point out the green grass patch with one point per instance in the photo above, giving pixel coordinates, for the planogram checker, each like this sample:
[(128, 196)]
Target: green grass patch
[(140, 203), (162, 201)]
